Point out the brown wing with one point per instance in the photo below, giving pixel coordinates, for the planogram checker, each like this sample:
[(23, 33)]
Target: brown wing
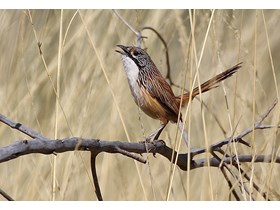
[(159, 89)]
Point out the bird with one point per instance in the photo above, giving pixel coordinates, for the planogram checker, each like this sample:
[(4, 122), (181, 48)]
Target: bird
[(153, 94)]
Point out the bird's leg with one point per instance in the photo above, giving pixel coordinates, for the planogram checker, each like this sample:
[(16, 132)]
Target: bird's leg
[(185, 135), (155, 135)]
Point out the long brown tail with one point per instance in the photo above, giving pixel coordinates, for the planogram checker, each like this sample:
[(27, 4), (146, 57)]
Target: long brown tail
[(210, 84)]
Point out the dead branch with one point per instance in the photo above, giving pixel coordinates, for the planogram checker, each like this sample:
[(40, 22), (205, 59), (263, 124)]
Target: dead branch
[(42, 145), (94, 175), (5, 195), (22, 128), (25, 147)]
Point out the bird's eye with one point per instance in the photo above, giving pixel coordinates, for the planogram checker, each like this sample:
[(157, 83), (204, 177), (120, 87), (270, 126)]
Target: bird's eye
[(134, 53)]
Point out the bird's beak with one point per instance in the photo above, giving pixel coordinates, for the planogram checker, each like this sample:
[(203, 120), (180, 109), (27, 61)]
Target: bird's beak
[(124, 48)]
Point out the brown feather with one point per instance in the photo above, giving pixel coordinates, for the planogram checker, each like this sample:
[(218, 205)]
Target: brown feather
[(157, 87), (208, 85)]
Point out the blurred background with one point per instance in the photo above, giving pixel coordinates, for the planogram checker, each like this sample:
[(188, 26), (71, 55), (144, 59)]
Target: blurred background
[(78, 48)]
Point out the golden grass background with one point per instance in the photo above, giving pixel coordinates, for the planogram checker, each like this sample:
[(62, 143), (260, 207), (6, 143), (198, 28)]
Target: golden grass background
[(78, 47)]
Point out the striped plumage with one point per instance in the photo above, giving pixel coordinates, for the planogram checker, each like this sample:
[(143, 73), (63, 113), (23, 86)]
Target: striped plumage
[(150, 90)]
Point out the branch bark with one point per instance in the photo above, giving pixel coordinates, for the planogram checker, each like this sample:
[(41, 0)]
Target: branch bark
[(43, 145), (25, 147)]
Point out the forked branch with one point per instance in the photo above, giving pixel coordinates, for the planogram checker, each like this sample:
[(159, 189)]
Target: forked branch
[(43, 145)]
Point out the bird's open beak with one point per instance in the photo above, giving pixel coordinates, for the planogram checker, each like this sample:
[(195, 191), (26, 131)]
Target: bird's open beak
[(124, 48)]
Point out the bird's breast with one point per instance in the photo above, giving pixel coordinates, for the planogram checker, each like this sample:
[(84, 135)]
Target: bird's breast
[(132, 73), (150, 105)]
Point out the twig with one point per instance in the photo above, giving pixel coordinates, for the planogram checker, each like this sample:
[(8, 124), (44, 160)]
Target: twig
[(131, 155), (138, 34), (268, 112), (22, 128), (237, 166), (224, 165), (94, 175), (166, 50), (263, 194), (5, 195), (125, 22), (241, 135), (230, 184)]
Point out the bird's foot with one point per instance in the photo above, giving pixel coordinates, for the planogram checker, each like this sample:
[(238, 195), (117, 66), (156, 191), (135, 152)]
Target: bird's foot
[(152, 141)]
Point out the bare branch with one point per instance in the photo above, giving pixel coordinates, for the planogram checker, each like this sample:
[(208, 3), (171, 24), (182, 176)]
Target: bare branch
[(138, 34), (125, 22), (94, 175), (258, 123), (257, 188), (25, 147), (5, 195), (96, 146), (166, 50), (268, 112), (22, 128), (230, 184)]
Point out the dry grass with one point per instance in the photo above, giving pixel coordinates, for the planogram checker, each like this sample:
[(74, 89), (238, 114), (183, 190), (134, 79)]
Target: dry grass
[(89, 103)]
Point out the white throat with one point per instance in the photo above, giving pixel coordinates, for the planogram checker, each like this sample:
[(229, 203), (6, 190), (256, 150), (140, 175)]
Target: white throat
[(132, 71)]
